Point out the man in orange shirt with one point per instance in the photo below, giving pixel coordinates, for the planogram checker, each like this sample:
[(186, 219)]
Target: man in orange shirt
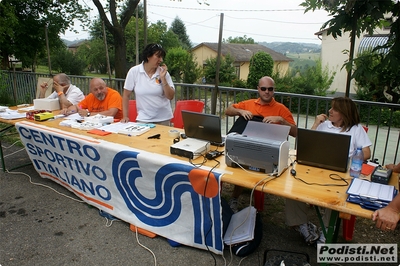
[(268, 109), (101, 100)]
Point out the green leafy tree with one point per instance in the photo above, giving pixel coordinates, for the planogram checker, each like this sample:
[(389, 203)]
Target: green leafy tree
[(94, 56), (243, 39), (181, 65), (314, 80), (226, 70), (24, 23), (67, 62), (179, 28), (261, 64), (373, 82), (358, 17)]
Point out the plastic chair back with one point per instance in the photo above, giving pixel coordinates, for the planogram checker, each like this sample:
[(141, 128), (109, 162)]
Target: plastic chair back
[(132, 111), (187, 105)]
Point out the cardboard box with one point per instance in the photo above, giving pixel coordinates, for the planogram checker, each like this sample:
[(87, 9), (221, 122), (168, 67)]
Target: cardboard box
[(46, 104)]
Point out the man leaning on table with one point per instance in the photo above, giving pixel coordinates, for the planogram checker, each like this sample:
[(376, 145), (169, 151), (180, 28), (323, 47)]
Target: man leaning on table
[(64, 91), (101, 100)]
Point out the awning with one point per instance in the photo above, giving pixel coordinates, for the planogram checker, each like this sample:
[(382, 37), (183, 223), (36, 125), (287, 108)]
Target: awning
[(370, 42)]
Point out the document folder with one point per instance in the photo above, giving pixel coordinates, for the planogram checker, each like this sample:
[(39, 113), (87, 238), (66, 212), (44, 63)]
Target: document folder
[(370, 195)]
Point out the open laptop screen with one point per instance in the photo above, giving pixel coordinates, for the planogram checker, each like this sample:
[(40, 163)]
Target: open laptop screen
[(323, 149), (202, 126)]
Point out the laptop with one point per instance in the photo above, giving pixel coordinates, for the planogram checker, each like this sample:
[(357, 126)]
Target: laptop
[(323, 149), (203, 126)]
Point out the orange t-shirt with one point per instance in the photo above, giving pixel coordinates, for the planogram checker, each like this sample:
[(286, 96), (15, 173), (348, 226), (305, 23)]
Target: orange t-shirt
[(112, 100), (273, 108)]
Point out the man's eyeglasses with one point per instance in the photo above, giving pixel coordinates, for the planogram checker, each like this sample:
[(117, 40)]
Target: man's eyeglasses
[(156, 45), (265, 88)]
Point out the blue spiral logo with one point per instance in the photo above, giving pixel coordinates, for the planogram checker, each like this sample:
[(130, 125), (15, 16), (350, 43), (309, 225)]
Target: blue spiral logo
[(171, 181)]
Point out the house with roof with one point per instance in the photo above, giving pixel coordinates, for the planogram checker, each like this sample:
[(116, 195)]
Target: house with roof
[(242, 54), (334, 54)]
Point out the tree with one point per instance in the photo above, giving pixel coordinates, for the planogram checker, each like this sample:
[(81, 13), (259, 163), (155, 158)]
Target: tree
[(178, 27), (65, 61), (226, 72), (357, 17), (94, 55), (243, 39), (181, 65), (23, 25), (261, 64), (373, 82), (117, 27)]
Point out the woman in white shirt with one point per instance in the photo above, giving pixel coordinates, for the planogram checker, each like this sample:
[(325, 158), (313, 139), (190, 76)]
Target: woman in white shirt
[(153, 88), (343, 118)]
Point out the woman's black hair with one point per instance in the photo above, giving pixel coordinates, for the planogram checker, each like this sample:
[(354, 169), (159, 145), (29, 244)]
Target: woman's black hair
[(151, 49)]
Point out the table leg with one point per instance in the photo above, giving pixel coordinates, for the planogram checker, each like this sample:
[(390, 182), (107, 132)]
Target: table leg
[(332, 231), (2, 133), (3, 162)]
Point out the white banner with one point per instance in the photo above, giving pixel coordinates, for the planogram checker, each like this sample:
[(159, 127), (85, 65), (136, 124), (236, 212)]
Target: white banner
[(168, 197)]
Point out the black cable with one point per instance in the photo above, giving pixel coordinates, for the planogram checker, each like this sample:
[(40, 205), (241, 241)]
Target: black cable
[(331, 176), (209, 212)]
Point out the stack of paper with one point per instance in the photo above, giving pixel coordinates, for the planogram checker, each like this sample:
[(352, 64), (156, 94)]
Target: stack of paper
[(241, 226)]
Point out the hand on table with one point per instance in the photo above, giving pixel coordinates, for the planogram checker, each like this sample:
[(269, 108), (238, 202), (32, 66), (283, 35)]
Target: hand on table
[(386, 218), (124, 120)]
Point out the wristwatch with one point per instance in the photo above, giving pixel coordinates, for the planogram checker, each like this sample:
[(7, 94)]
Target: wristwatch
[(88, 113)]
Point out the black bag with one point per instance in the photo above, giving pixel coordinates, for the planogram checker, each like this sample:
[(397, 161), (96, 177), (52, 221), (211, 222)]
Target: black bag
[(241, 123)]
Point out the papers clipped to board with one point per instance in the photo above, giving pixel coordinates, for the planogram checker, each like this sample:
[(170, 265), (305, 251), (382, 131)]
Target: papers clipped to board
[(134, 129), (370, 195), (241, 227)]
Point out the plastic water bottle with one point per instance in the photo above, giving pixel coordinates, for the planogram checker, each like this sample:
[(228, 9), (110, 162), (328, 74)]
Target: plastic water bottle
[(356, 162)]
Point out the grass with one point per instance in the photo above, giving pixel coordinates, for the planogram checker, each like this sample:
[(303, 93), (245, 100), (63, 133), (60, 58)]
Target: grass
[(10, 135)]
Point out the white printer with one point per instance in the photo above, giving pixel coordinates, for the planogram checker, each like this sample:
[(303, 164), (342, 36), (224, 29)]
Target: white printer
[(262, 147)]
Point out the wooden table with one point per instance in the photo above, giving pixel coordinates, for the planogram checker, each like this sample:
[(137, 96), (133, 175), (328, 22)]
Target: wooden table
[(331, 197)]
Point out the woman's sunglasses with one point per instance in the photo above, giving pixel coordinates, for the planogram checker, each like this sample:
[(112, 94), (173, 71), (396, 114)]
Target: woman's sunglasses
[(265, 88)]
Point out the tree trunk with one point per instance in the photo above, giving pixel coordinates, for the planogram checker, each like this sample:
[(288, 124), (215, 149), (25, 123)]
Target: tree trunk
[(120, 54)]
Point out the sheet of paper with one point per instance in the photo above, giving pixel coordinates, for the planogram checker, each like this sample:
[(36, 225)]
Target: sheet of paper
[(12, 114), (115, 127), (75, 116)]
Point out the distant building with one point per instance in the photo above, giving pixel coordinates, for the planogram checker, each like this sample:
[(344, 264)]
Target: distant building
[(242, 54), (74, 46), (333, 56)]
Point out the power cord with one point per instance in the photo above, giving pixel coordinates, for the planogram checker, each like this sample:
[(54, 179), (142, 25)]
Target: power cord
[(39, 184), (335, 177), (146, 248)]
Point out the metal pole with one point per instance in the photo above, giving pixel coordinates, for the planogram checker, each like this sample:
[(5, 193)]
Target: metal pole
[(215, 92)]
